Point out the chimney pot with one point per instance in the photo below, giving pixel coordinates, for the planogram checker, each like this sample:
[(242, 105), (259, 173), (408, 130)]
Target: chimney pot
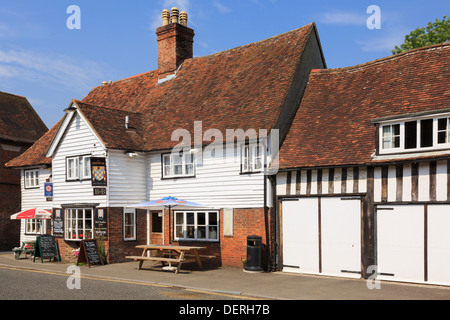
[(166, 17), (175, 14), (183, 18)]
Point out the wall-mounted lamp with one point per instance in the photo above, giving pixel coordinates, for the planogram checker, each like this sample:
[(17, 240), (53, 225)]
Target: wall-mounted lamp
[(132, 154)]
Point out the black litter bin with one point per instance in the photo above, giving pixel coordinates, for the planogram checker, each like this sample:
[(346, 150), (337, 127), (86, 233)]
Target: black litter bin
[(254, 251)]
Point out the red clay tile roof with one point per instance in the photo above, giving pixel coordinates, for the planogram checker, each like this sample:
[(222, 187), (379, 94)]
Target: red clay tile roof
[(333, 124), (18, 120), (113, 132), (241, 88), (35, 155)]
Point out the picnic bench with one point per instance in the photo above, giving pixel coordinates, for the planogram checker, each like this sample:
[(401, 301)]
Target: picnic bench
[(26, 248), (170, 254)]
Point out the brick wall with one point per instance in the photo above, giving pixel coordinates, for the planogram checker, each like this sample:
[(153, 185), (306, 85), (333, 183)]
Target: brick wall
[(115, 247), (230, 250)]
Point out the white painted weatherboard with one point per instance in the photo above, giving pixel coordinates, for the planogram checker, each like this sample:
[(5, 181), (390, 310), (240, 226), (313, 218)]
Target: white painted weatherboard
[(33, 198), (217, 183), (78, 140), (127, 179)]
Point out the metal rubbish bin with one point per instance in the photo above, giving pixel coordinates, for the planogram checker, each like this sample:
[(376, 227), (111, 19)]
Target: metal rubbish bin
[(254, 250)]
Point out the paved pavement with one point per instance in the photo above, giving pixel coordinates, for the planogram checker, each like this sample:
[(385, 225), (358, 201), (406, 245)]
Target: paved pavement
[(234, 281)]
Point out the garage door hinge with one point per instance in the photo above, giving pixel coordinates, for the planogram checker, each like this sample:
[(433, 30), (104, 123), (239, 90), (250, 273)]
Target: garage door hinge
[(349, 271)]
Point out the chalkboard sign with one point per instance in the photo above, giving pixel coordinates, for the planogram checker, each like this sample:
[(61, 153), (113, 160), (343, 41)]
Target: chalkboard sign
[(89, 253), (46, 248)]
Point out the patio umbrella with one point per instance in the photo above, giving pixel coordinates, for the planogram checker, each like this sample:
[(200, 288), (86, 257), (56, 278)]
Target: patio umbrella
[(33, 214), (168, 202)]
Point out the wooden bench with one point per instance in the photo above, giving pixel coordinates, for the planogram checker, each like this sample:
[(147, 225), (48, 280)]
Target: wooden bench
[(141, 260), (201, 256)]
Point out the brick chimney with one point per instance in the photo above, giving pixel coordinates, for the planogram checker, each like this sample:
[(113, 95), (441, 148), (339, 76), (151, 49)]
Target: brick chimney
[(175, 42)]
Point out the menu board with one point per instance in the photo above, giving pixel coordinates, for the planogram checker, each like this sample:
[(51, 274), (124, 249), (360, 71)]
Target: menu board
[(101, 223), (89, 253), (58, 223), (45, 248)]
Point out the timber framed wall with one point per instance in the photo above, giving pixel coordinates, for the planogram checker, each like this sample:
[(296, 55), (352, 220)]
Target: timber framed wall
[(406, 183)]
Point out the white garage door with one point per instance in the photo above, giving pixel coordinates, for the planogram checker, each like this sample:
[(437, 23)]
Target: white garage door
[(341, 237), (400, 243), (413, 243), (439, 244), (322, 236), (301, 235)]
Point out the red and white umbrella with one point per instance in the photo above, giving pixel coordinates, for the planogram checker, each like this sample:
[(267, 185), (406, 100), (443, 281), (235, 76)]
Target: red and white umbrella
[(33, 214)]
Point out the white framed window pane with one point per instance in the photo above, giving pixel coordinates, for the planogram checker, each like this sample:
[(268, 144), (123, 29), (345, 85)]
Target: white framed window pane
[(86, 161), (179, 233), (258, 161), (213, 235), (31, 178), (129, 218), (196, 225)]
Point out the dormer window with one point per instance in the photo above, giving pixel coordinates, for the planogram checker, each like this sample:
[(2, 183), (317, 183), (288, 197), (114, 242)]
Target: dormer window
[(391, 136), (414, 135)]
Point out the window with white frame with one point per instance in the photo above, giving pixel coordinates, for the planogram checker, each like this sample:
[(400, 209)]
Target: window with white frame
[(197, 225), (78, 168), (32, 226), (31, 178), (79, 224), (129, 224), (412, 135), (443, 131), (252, 158), (391, 136), (178, 165)]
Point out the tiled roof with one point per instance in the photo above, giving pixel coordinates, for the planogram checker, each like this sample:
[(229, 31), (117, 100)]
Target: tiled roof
[(35, 155), (18, 120), (333, 123), (109, 125), (241, 88)]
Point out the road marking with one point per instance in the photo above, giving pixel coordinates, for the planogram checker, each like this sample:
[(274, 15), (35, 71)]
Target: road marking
[(214, 293)]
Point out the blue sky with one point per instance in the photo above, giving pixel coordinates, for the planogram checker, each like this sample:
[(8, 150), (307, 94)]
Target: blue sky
[(43, 60)]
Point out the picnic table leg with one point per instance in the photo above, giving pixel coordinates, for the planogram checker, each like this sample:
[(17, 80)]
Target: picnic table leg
[(142, 262), (180, 263), (197, 257)]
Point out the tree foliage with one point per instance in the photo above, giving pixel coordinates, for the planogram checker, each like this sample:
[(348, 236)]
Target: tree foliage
[(436, 32)]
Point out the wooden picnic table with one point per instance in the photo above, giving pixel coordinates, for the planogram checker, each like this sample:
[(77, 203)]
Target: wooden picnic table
[(169, 254)]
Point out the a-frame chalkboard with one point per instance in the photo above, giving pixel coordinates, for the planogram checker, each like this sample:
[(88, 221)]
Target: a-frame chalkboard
[(46, 248), (89, 253)]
